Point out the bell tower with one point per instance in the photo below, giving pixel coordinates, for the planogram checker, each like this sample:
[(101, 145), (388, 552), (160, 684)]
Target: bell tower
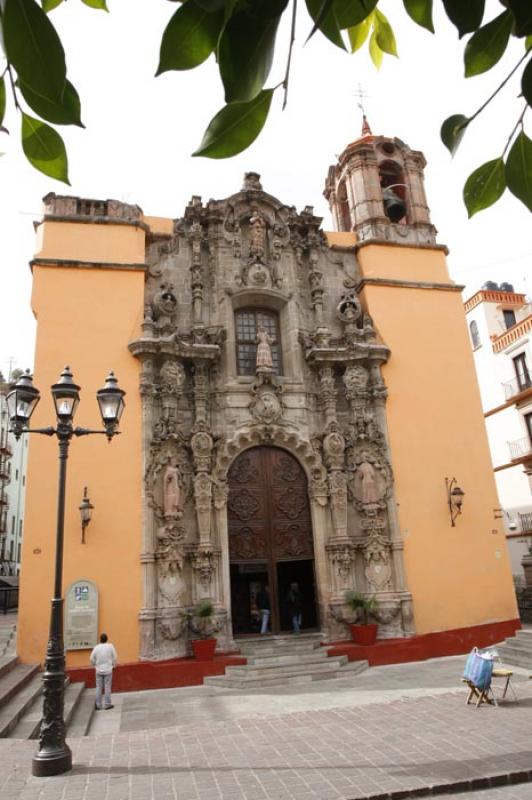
[(376, 189)]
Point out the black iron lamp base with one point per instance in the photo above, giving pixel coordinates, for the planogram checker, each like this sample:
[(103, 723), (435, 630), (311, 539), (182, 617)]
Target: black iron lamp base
[(54, 762)]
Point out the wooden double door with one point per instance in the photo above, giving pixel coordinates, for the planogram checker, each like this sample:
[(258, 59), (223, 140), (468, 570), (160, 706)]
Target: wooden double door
[(270, 538)]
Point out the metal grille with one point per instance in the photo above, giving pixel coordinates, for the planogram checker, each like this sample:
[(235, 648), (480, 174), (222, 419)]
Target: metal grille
[(248, 321)]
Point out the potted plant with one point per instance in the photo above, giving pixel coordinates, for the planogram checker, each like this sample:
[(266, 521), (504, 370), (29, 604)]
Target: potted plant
[(201, 624), (362, 632)]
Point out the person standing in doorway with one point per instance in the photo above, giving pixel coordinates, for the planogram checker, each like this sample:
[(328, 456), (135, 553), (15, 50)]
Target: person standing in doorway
[(103, 658), (295, 606), (263, 604)]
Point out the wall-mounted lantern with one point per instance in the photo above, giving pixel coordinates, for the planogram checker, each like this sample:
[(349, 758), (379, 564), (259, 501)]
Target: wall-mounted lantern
[(85, 510), (455, 498)]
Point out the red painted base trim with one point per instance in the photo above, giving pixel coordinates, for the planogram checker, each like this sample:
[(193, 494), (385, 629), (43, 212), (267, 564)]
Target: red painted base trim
[(428, 645), (139, 675)]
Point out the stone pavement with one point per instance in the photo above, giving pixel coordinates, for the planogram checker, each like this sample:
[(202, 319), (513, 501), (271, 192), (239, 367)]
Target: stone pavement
[(408, 732)]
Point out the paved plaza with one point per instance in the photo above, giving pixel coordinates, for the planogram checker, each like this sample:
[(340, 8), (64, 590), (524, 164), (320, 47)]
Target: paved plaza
[(391, 732)]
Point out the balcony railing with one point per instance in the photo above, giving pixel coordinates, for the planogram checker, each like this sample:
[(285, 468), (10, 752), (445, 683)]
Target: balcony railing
[(525, 522), (516, 386), (520, 448)]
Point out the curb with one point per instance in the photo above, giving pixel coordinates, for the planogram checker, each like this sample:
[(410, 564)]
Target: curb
[(454, 787)]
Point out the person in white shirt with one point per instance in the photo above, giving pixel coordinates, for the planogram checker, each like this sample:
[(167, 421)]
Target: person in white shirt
[(103, 657)]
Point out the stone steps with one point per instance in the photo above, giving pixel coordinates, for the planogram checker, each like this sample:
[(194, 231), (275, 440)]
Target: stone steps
[(517, 650), (21, 701), (82, 716), (280, 678), (284, 660), (8, 638), (29, 724)]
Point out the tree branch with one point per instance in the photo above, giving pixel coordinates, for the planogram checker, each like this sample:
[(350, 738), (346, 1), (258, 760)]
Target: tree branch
[(292, 39), (498, 89)]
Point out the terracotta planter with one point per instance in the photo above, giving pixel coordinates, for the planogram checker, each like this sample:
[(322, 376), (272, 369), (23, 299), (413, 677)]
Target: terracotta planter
[(203, 649), (364, 634)]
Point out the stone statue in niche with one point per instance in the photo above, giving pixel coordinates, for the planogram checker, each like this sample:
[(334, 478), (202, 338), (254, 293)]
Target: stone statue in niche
[(171, 490), (257, 241), (165, 306), (370, 482), (368, 485), (264, 351), (171, 584)]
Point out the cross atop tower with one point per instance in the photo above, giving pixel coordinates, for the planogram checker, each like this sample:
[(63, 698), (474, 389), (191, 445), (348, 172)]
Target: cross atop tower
[(362, 95)]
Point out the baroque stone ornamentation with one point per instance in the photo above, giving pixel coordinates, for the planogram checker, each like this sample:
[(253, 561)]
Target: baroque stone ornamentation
[(211, 506)]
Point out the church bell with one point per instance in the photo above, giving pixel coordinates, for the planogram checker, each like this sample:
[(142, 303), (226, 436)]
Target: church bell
[(394, 206)]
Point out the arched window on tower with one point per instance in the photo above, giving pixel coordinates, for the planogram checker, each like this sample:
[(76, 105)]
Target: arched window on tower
[(475, 336), (344, 213), (247, 324), (393, 192)]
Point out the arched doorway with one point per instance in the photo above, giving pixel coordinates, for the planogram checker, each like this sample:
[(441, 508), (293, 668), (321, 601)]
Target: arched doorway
[(270, 538)]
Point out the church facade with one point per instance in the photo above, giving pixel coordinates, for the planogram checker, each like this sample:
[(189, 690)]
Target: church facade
[(297, 404)]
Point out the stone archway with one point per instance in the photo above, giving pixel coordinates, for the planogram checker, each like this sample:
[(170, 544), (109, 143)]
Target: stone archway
[(270, 538)]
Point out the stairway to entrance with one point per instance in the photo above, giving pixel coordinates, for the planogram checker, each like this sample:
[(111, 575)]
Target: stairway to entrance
[(21, 702), (283, 661), (517, 651)]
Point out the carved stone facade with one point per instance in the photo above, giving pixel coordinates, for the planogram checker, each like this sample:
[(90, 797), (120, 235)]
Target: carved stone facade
[(325, 412)]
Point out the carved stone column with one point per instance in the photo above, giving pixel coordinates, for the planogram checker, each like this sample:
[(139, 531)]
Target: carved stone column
[(147, 557), (328, 394), (196, 278)]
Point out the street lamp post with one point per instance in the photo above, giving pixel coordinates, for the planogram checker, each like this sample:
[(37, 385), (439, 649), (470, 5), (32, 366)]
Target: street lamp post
[(54, 756)]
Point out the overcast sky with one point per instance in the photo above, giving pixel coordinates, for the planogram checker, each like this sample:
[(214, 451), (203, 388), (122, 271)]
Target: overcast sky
[(140, 131)]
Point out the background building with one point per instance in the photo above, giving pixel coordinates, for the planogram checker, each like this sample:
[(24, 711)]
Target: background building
[(13, 460), (500, 324), (296, 405)]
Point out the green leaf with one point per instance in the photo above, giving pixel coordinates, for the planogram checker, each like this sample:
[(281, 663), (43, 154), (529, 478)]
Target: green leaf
[(466, 15), (526, 83), (487, 45), (528, 43), (44, 148), (235, 127), (49, 5), (421, 12), (322, 12), (375, 51), (359, 33), (452, 131), (519, 169), (2, 99), (522, 13), (245, 54), (484, 186), (96, 4), (67, 112), (384, 33), (189, 38), (211, 5), (34, 48), (352, 12)]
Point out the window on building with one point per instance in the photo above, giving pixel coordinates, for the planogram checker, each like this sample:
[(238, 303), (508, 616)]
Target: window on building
[(509, 317), (16, 474), (247, 323), (522, 372), (24, 480), (19, 552), (11, 545), (12, 525), (20, 528), (475, 336), (528, 423)]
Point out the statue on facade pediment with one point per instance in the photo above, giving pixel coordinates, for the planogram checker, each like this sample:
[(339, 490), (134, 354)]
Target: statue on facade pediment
[(257, 237)]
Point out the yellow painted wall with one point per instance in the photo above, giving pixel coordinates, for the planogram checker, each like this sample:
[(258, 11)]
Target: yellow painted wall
[(105, 243), (86, 317), (458, 576)]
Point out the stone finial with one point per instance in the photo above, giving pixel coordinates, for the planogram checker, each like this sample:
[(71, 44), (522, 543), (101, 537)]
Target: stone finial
[(252, 181), (366, 130)]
